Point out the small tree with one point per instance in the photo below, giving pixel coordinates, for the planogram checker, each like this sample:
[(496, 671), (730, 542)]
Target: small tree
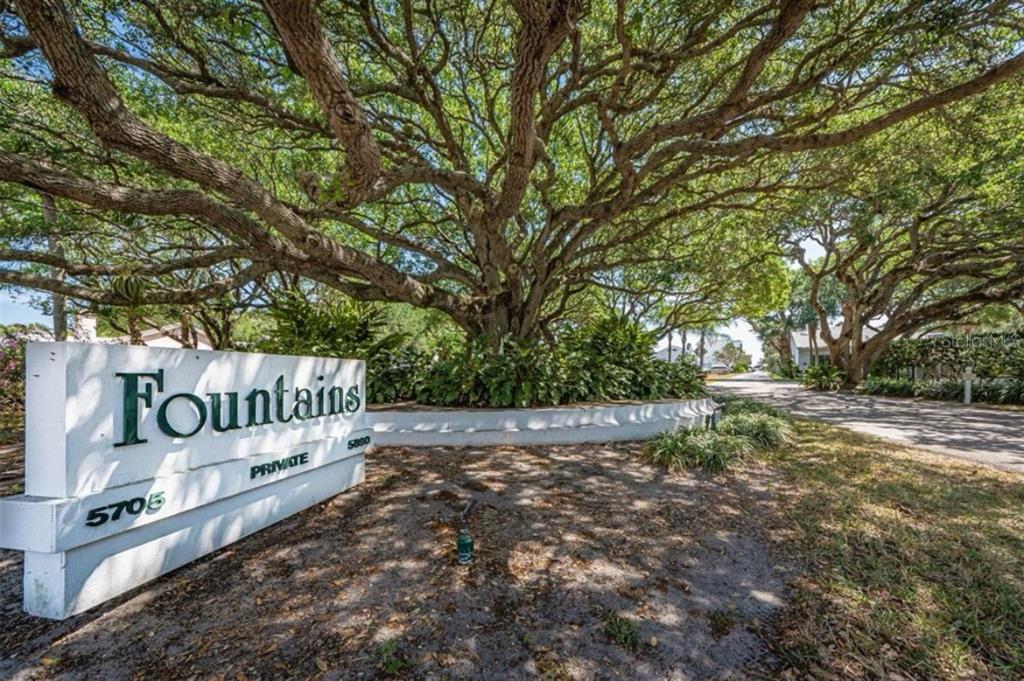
[(732, 356)]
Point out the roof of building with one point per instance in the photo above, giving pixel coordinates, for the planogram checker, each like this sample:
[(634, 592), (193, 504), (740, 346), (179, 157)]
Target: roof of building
[(800, 339), (167, 330)]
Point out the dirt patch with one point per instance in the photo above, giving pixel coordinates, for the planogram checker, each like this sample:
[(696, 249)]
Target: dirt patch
[(568, 540)]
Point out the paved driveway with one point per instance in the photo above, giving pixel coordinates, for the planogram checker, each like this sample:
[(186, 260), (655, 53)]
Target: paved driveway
[(991, 436)]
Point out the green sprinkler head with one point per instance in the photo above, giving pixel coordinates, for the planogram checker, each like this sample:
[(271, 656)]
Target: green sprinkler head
[(464, 543)]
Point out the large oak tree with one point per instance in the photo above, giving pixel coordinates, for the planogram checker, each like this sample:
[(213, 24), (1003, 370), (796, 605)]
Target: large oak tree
[(483, 158), (929, 231)]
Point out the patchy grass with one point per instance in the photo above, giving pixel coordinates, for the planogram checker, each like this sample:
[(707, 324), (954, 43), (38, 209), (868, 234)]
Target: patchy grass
[(914, 562), (390, 662), (620, 630), (721, 622)]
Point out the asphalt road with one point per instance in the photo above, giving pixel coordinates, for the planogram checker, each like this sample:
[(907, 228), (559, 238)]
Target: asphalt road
[(990, 436)]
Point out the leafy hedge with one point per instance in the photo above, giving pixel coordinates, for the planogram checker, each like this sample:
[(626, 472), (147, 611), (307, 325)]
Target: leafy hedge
[(994, 391), (991, 354), (610, 359), (997, 360)]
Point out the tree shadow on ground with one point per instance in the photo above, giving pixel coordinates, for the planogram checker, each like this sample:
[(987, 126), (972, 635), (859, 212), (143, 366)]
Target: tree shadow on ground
[(564, 536)]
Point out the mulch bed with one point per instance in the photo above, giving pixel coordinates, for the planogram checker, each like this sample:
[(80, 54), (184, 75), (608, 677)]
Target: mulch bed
[(569, 542)]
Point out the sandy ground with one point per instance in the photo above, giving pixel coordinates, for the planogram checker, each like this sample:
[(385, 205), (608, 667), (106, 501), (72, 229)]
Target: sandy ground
[(564, 536)]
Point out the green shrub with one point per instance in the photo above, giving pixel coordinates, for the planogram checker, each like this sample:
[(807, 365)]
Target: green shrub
[(782, 368), (747, 425), (709, 450), (898, 387), (337, 326), (610, 359), (513, 374), (939, 390), (392, 374), (823, 377), (764, 431), (1004, 391), (666, 450)]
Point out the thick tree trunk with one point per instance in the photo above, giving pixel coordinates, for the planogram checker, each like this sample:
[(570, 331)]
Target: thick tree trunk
[(863, 355), (854, 368), (508, 314), (781, 345)]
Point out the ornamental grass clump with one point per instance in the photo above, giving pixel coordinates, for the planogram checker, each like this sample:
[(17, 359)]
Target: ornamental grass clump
[(764, 431), (709, 450), (747, 426), (732, 405)]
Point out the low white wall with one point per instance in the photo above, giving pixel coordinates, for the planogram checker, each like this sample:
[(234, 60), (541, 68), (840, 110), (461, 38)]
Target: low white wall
[(545, 426)]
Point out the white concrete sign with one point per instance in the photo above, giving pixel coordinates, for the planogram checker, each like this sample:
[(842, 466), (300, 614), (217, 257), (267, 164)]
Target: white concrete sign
[(139, 460)]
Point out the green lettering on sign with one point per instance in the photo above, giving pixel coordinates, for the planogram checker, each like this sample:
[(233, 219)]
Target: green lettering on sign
[(278, 465), (130, 404), (263, 407), (165, 425), (215, 412)]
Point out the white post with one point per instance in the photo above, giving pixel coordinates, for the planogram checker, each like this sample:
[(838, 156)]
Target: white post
[(968, 379)]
